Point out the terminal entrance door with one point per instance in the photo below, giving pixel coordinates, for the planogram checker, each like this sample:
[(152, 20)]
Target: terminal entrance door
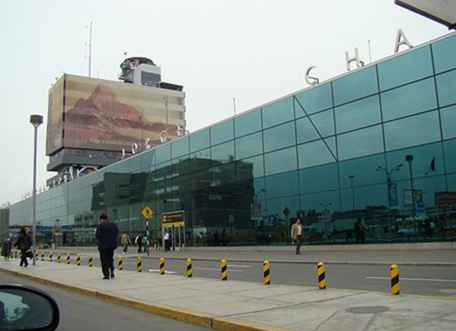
[(173, 228)]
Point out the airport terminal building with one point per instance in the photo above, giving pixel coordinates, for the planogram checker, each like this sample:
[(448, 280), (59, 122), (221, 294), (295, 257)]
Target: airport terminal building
[(373, 148)]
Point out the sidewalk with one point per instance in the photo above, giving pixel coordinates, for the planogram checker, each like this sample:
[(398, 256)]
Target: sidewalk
[(309, 254), (236, 305)]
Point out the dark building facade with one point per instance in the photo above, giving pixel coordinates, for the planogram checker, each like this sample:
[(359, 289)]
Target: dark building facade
[(374, 147)]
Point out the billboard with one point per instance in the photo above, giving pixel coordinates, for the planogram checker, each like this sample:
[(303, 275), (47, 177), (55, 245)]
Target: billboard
[(442, 11), (95, 114)]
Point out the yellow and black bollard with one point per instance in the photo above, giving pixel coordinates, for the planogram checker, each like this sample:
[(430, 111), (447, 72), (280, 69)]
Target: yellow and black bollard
[(266, 272), (321, 274), (120, 263), (162, 265), (189, 268), (90, 262), (139, 266), (394, 275), (50, 257), (68, 259), (78, 260), (223, 270), (59, 259)]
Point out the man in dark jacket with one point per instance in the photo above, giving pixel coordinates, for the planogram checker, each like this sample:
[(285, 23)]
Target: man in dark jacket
[(24, 243), (106, 235)]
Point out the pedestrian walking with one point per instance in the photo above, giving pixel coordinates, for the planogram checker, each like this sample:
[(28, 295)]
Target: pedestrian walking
[(296, 235), (106, 235), (7, 245), (24, 244), (146, 243), (125, 242), (167, 240), (139, 242)]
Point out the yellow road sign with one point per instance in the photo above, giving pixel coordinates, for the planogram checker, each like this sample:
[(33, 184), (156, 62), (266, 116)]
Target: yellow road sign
[(147, 212)]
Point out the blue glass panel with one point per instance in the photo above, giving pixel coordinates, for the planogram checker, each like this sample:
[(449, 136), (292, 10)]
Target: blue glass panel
[(204, 154), (450, 155), (317, 179), (444, 51), (355, 85), (427, 161), (275, 213), (280, 161), (420, 129), (248, 122), (448, 116), (305, 130), (315, 153), (324, 122), (180, 147), (163, 153), (451, 183), (360, 143), (358, 114), (257, 165), (313, 100), (408, 100), (362, 171), (320, 201), (425, 188), (282, 184), (223, 152), (363, 197), (279, 137), (249, 145), (413, 65), (199, 140), (446, 87), (222, 132), (278, 112)]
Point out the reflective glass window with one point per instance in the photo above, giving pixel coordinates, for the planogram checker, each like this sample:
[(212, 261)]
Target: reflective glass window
[(280, 161), (411, 66), (282, 184), (427, 161), (203, 154), (363, 197), (358, 84), (163, 153), (317, 179), (358, 114), (278, 112), (315, 153), (448, 116), (222, 132), (324, 201), (450, 155), (324, 122), (446, 86), (247, 122), (313, 100), (249, 145), (409, 99), (305, 130), (257, 166), (360, 143), (199, 140), (416, 130), (279, 137), (223, 152), (275, 208), (364, 171), (180, 147), (425, 188), (444, 51), (451, 183)]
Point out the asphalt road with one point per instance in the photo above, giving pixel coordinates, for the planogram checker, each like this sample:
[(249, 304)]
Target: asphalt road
[(423, 280), (79, 312)]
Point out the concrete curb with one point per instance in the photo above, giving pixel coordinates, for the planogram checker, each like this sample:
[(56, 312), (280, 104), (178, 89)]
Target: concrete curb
[(183, 315)]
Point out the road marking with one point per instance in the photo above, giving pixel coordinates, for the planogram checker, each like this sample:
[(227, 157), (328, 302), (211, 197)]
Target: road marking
[(215, 269), (418, 279), (240, 265), (158, 270)]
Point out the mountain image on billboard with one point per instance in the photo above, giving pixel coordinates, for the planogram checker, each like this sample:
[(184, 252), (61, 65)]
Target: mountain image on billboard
[(105, 115)]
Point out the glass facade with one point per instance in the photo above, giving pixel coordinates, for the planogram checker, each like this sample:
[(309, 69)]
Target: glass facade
[(377, 145)]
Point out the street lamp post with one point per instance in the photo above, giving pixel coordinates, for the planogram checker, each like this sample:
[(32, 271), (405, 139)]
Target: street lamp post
[(389, 180), (36, 121), (409, 159), (351, 177)]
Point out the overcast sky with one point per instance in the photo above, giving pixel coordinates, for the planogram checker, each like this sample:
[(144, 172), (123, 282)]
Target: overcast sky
[(254, 50)]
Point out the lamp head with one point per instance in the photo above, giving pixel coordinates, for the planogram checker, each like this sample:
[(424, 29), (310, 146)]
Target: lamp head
[(36, 120), (409, 158)]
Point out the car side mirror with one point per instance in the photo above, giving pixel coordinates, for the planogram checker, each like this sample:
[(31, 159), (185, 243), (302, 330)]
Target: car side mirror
[(25, 308)]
